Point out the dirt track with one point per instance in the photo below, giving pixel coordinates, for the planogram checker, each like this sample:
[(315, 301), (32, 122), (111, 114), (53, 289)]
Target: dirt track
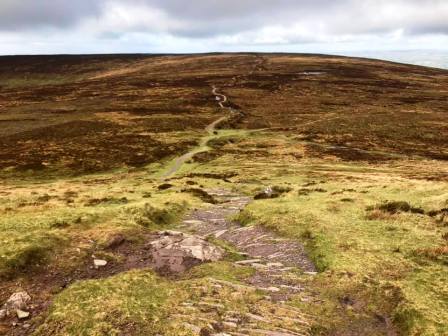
[(176, 165)]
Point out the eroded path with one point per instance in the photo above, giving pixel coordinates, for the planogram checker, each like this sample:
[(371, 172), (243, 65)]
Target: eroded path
[(177, 163), (281, 265), (221, 98)]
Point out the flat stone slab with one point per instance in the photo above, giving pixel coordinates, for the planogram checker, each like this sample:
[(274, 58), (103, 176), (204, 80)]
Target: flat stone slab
[(175, 252)]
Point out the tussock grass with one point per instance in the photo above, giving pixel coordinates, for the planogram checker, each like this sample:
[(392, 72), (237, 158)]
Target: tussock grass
[(37, 222), (134, 302), (153, 217), (139, 302), (388, 244)]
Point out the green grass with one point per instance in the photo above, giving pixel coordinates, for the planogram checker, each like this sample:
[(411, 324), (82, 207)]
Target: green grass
[(184, 164), (222, 270), (341, 239), (137, 302), (33, 231), (386, 262)]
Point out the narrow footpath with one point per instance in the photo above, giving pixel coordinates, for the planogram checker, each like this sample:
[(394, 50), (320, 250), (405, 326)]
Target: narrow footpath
[(177, 163), (280, 266)]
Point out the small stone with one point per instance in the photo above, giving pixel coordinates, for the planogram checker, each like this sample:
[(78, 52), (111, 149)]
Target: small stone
[(193, 222), (275, 264), (310, 273), (229, 325), (273, 289), (220, 233), (2, 313), (99, 263), (286, 269), (22, 314), (294, 288), (256, 317), (245, 262), (258, 265)]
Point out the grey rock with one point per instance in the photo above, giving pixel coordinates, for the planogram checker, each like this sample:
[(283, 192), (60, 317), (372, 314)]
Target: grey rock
[(310, 273), (16, 301), (256, 317), (245, 262), (258, 265), (220, 233), (175, 252), (229, 325), (273, 289), (277, 264), (99, 263)]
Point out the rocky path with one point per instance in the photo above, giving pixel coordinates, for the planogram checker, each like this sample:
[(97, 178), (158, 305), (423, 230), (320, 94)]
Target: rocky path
[(280, 266)]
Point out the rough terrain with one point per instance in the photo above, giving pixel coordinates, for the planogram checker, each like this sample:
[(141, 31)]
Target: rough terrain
[(222, 194)]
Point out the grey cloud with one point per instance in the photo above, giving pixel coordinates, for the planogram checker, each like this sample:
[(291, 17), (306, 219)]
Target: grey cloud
[(211, 18), (23, 14), (431, 28), (202, 18), (230, 9), (208, 18)]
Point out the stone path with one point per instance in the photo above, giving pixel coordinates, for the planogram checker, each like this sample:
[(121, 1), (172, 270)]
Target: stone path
[(279, 265)]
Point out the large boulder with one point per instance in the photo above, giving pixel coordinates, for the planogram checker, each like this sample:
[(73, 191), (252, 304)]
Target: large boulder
[(175, 252)]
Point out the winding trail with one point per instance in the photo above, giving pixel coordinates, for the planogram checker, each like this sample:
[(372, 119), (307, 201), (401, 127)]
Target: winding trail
[(177, 163), (221, 98), (280, 265)]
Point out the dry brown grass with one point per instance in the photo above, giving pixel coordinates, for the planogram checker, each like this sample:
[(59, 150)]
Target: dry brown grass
[(434, 253), (380, 108)]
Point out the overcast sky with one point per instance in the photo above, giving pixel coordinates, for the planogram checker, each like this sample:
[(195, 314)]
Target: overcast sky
[(166, 26)]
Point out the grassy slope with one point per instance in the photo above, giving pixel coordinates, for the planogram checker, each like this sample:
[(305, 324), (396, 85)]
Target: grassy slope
[(385, 265), (342, 240), (374, 266)]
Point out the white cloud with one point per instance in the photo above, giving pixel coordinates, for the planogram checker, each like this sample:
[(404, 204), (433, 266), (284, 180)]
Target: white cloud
[(54, 26)]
